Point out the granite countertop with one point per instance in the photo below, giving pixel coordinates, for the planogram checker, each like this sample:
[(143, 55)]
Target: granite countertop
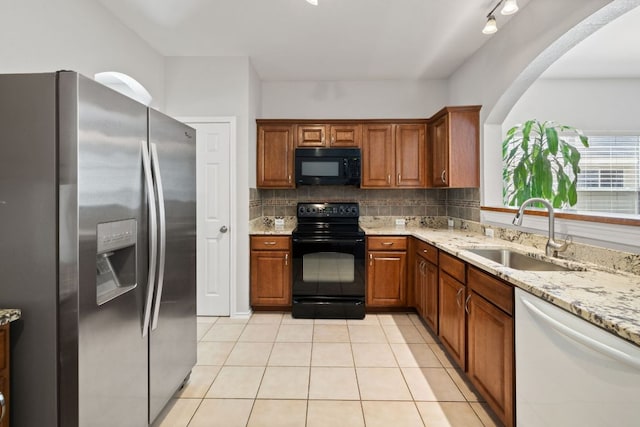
[(9, 315), (605, 297), (267, 226)]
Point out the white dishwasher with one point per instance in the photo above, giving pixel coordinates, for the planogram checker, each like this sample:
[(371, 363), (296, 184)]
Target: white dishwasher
[(570, 372)]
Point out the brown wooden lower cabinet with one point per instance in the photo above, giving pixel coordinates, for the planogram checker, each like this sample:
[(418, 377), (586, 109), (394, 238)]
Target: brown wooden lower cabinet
[(471, 312), (451, 322), (490, 342), (270, 271), (386, 272), (4, 372), (490, 355)]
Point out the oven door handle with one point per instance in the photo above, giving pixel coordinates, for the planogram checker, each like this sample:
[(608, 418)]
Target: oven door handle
[(326, 240)]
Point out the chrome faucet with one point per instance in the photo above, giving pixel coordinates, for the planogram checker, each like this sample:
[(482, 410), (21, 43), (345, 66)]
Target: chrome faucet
[(552, 247)]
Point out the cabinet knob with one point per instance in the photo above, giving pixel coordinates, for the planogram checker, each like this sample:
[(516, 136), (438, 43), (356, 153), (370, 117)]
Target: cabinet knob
[(286, 259), (289, 178), (387, 243), (443, 176), (399, 178), (466, 304), (270, 243), (389, 179), (425, 251)]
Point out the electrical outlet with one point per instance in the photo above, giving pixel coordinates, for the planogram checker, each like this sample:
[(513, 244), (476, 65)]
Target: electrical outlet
[(488, 232), (450, 222), (279, 222), (400, 222)]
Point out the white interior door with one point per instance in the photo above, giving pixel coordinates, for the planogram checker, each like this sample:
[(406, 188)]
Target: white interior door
[(213, 140)]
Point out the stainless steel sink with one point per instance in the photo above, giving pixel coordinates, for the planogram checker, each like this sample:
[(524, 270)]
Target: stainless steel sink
[(517, 260)]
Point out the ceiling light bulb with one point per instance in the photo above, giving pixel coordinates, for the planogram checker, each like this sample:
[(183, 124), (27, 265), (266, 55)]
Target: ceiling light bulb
[(315, 2), (491, 26), (510, 7)]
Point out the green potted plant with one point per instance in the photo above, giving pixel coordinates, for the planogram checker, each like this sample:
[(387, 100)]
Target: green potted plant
[(539, 162)]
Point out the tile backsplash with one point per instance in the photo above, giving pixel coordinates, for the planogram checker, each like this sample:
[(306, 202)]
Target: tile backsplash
[(459, 203)]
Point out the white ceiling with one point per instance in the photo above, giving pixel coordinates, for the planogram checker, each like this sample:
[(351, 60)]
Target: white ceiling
[(336, 40), (356, 39)]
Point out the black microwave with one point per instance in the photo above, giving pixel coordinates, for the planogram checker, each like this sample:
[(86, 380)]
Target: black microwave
[(328, 166)]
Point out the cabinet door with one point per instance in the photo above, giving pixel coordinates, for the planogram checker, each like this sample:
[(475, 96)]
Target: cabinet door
[(378, 163), (386, 279), (430, 294), (275, 157), (451, 317), (411, 156), (311, 136), (346, 135), (419, 284), (270, 278), (440, 152), (491, 355)]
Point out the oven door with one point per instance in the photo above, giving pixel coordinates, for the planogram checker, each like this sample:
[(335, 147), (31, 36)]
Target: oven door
[(328, 276)]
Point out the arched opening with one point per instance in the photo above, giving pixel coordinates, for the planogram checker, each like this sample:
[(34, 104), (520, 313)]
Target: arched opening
[(498, 116)]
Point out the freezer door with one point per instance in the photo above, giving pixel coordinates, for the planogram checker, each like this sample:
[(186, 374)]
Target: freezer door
[(28, 242), (173, 341), (112, 251)]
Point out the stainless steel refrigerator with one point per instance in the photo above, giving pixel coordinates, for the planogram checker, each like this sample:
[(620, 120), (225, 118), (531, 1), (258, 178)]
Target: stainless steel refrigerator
[(97, 247)]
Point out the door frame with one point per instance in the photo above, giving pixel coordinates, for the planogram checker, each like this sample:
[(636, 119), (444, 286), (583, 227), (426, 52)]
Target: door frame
[(232, 120)]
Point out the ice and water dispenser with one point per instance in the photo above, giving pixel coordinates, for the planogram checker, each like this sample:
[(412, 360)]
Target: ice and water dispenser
[(116, 259)]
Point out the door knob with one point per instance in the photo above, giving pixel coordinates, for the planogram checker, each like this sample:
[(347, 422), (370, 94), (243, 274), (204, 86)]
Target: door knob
[(224, 229)]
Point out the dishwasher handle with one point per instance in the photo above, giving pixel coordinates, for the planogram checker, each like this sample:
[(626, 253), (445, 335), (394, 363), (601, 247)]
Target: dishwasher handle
[(601, 348)]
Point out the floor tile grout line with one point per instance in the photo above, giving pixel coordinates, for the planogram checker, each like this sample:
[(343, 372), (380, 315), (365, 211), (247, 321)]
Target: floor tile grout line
[(430, 345)]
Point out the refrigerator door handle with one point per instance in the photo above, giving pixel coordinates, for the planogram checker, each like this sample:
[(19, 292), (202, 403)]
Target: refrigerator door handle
[(153, 236), (163, 234)]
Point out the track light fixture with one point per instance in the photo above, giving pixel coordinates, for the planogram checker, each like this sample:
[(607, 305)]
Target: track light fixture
[(510, 7), (491, 26)]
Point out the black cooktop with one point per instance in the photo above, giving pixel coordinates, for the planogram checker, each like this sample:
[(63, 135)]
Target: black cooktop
[(328, 219)]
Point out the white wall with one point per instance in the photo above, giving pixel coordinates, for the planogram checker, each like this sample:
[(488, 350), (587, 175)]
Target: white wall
[(353, 99), (79, 35), (255, 111), (587, 104), (222, 87)]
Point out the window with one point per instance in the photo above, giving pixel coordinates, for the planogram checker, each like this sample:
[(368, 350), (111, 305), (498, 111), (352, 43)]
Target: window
[(609, 181), (610, 178)]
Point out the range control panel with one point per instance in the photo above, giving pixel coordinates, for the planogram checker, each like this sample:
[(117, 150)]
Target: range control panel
[(328, 210)]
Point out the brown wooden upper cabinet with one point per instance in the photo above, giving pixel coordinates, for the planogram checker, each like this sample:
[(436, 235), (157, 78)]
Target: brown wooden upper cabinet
[(330, 135), (454, 147), (394, 156), (311, 136), (275, 156)]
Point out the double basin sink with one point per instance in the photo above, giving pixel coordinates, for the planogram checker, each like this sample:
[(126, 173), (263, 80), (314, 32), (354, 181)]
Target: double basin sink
[(517, 260)]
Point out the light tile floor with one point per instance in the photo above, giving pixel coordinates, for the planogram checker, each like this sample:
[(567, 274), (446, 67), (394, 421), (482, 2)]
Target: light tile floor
[(275, 371)]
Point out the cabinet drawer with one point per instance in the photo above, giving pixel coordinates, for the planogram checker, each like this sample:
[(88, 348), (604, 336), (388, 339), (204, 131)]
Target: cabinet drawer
[(453, 266), (493, 289), (387, 243), (262, 243), (427, 251)]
